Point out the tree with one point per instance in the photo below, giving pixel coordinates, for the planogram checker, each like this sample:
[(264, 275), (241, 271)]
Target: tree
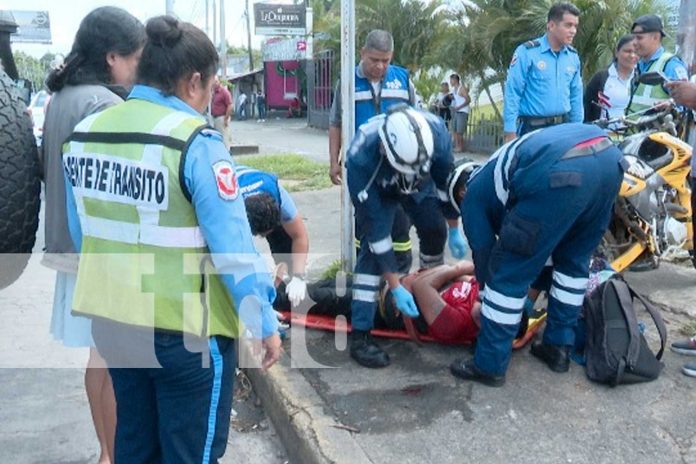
[(31, 69)]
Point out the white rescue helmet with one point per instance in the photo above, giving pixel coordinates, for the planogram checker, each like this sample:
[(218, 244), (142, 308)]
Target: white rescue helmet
[(408, 144), (458, 177)]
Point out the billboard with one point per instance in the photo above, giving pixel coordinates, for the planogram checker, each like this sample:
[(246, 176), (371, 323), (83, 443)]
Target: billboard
[(34, 27), (272, 19), (294, 48)]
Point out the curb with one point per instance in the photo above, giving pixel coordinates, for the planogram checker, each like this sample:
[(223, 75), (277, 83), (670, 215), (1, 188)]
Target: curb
[(309, 435)]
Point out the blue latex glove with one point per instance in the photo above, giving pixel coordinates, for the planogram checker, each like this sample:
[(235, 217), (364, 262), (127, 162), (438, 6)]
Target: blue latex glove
[(404, 301), (456, 242)]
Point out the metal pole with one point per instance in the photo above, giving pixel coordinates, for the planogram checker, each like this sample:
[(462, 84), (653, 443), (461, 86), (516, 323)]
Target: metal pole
[(214, 22), (223, 41), (207, 18), (248, 21), (686, 38), (348, 125)]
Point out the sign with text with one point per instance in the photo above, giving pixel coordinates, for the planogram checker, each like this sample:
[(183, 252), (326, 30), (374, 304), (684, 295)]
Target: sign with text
[(33, 27), (284, 49), (272, 19)]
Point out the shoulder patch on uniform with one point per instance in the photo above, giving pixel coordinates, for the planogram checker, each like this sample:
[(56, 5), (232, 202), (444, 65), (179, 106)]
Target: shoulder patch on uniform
[(532, 44), (226, 180), (513, 60)]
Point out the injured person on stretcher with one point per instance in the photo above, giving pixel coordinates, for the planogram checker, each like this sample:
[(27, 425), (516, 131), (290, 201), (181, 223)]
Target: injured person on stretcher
[(447, 297)]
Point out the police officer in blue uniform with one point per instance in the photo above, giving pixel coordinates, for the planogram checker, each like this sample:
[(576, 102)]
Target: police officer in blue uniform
[(649, 33), (544, 83), (378, 85), (273, 214), (401, 158), (546, 194)]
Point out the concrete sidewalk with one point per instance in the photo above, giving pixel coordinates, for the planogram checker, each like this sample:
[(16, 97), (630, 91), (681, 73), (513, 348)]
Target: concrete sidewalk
[(415, 412)]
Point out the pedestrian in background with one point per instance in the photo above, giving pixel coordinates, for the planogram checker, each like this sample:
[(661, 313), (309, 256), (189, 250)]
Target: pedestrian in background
[(168, 265), (242, 106), (609, 91), (221, 110), (443, 102), (460, 111), (97, 73), (261, 105), (544, 83)]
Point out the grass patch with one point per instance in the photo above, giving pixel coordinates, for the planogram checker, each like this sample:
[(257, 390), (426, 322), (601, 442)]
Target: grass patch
[(295, 172), (689, 329)]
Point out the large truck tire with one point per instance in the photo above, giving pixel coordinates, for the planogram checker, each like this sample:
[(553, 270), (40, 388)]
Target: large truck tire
[(20, 184)]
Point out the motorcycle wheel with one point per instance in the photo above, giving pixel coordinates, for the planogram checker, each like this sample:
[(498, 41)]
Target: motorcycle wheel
[(20, 184)]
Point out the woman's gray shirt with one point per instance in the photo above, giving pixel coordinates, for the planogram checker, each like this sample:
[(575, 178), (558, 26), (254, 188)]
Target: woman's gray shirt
[(66, 109)]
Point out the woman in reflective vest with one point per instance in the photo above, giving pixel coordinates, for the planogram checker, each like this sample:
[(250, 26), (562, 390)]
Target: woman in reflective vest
[(167, 262)]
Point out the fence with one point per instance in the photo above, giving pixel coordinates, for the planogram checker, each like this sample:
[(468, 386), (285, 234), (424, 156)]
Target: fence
[(319, 89), (483, 135)]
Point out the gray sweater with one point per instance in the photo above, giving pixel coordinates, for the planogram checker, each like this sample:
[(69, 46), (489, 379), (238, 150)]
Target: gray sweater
[(66, 109)]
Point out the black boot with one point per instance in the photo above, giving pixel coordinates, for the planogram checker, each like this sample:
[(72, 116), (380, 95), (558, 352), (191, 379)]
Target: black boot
[(365, 351), (467, 370), (555, 356)]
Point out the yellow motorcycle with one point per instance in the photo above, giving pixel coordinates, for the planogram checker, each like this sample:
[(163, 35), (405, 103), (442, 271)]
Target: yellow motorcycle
[(652, 214)]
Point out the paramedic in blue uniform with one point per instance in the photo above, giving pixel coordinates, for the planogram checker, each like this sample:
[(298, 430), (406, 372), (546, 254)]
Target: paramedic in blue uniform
[(546, 194), (401, 158), (378, 85), (544, 83), (150, 188), (273, 214)]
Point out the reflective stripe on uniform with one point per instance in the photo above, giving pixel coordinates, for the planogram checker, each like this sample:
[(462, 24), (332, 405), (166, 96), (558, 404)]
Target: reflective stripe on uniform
[(402, 246), (429, 261), (363, 95), (566, 297), (577, 283), (369, 296), (148, 234), (366, 279), (503, 301), (395, 93), (499, 316), (381, 246)]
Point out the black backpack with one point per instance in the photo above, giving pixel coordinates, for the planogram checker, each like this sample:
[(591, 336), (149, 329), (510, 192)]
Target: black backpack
[(616, 351)]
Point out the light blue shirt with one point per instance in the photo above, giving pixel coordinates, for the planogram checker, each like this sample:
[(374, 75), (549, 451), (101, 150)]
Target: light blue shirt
[(224, 223), (675, 68), (543, 83)]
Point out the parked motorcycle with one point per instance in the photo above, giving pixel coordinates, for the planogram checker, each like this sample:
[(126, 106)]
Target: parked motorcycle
[(652, 214)]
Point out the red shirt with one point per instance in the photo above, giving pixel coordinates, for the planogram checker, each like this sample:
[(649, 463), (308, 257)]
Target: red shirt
[(221, 101), (455, 323)]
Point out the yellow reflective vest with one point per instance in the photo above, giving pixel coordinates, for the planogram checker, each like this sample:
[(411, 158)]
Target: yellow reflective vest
[(143, 260)]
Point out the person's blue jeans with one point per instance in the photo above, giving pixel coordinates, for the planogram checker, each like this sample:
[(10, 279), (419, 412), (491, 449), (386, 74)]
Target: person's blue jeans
[(176, 413), (262, 110)]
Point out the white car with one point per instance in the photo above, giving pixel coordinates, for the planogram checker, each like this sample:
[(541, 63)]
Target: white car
[(36, 109)]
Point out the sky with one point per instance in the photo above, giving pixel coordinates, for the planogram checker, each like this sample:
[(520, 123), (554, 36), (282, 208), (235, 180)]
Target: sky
[(65, 16)]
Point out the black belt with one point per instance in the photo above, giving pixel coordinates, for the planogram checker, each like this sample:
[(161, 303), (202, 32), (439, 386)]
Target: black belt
[(588, 149), (535, 121)]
